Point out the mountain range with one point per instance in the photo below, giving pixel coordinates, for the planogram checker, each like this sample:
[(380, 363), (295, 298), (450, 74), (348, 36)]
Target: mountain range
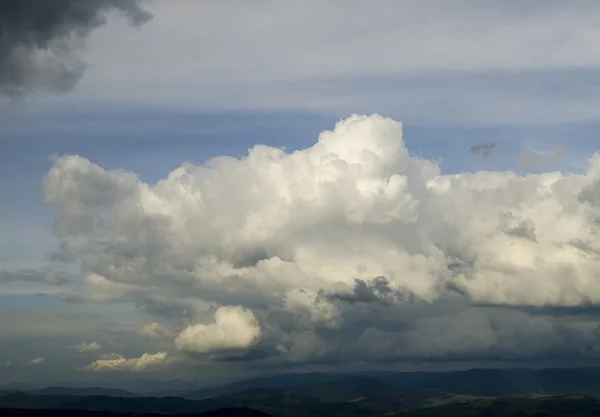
[(325, 394)]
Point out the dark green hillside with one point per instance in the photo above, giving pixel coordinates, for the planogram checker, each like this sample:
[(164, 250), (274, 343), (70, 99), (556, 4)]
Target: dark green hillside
[(516, 407)]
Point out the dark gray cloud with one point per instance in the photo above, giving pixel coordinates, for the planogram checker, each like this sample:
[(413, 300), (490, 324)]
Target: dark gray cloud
[(435, 332), (585, 246), (478, 333), (484, 149), (39, 41), (245, 259), (376, 291), (590, 193), (157, 306), (518, 227), (256, 353)]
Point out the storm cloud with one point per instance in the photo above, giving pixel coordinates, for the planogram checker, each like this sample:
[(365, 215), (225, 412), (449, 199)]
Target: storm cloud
[(40, 41)]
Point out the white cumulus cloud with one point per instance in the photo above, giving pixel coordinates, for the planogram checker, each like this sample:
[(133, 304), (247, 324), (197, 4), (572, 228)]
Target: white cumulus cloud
[(298, 243), (234, 328), (146, 362)]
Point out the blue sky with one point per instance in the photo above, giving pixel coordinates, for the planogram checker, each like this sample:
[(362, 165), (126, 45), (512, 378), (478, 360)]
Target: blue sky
[(203, 80)]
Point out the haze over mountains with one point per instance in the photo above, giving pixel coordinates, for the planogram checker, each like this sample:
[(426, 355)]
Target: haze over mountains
[(323, 394)]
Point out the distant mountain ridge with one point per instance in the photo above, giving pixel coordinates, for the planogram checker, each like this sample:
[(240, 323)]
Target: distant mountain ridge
[(385, 380), (486, 382), (140, 405), (324, 394), (478, 382), (136, 386), (90, 391), (225, 412), (503, 383)]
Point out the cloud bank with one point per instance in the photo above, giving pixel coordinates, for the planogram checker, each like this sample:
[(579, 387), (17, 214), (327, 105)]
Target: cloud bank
[(351, 249)]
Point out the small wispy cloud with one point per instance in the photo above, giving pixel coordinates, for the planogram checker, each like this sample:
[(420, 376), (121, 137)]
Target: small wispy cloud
[(36, 361), (154, 331), (485, 149), (86, 347), (42, 276), (541, 159), (117, 362)]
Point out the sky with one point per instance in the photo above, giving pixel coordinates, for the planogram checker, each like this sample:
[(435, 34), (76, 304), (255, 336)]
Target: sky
[(209, 190)]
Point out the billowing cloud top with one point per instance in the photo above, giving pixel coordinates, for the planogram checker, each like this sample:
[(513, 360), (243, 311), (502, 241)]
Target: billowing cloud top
[(291, 254)]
